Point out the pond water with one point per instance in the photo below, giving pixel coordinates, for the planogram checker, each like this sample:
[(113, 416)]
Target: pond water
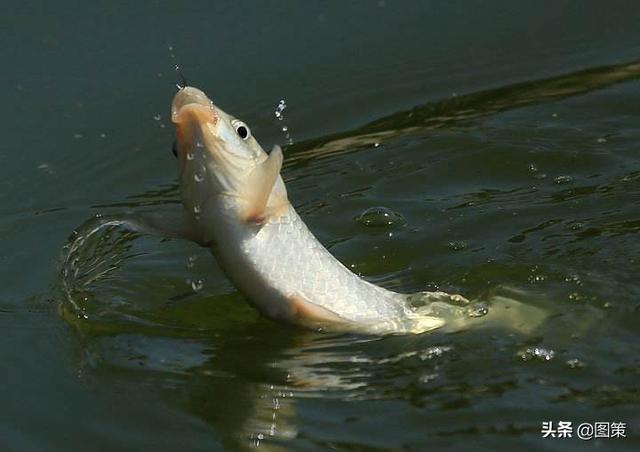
[(501, 140)]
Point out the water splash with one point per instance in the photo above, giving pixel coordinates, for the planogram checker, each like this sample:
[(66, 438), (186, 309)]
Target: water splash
[(536, 354), (94, 252)]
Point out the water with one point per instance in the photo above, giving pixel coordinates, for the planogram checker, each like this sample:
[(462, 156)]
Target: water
[(504, 136)]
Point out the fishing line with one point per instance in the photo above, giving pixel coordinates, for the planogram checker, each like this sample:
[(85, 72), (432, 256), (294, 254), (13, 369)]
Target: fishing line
[(177, 68)]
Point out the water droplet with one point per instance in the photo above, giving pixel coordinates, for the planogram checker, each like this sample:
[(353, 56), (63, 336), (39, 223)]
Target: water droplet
[(560, 180), (77, 136), (279, 114), (198, 177), (575, 296), (536, 353), (197, 285), (575, 363), (280, 108), (477, 310), (157, 116), (554, 115), (533, 168), (196, 209), (601, 140), (103, 135), (537, 278), (536, 275), (191, 260), (379, 217), (573, 279), (376, 144), (189, 155)]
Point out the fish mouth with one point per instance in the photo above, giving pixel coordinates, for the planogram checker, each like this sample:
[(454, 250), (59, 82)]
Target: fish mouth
[(205, 167), (192, 112), (190, 98)]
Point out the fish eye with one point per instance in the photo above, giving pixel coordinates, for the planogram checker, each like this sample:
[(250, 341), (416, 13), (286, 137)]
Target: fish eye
[(241, 129)]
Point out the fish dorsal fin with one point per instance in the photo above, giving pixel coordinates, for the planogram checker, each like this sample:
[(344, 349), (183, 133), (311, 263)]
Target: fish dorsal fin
[(260, 188)]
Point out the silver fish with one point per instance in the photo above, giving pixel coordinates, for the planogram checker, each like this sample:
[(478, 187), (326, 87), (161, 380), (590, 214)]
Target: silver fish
[(237, 204)]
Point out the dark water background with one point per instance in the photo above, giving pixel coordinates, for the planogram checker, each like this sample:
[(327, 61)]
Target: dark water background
[(504, 133)]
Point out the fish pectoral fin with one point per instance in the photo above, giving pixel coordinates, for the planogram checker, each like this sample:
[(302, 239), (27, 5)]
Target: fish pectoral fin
[(307, 312), (171, 223), (260, 186)]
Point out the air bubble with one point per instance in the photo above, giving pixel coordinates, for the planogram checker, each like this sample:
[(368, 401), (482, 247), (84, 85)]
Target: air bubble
[(377, 217), (458, 299), (477, 310), (457, 245), (189, 155), (560, 180), (198, 177)]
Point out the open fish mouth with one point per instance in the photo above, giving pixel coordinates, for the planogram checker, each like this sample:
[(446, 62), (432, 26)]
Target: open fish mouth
[(190, 97)]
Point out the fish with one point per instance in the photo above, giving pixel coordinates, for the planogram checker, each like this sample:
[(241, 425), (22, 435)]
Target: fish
[(236, 204)]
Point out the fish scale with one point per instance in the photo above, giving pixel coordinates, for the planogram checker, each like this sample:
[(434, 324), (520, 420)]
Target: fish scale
[(286, 253)]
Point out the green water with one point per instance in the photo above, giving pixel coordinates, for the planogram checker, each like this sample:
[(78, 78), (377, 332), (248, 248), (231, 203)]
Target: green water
[(505, 135)]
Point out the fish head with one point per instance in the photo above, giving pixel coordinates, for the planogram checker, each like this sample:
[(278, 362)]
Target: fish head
[(220, 159)]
